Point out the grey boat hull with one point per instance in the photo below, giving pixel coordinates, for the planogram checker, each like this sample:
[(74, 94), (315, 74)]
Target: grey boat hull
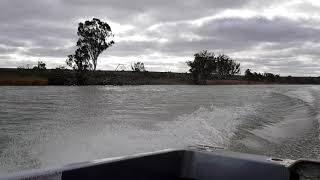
[(182, 164)]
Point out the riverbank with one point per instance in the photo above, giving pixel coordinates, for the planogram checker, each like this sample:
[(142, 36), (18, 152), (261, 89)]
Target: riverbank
[(30, 77), (68, 77)]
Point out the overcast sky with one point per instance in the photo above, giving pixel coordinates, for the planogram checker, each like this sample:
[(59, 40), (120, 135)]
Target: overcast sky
[(267, 36)]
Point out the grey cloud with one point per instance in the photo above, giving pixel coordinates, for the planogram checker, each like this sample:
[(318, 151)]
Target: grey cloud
[(129, 48), (234, 34), (7, 50), (5, 57), (260, 29), (283, 66), (29, 32), (165, 10), (44, 28), (54, 52), (13, 63), (11, 42), (13, 11)]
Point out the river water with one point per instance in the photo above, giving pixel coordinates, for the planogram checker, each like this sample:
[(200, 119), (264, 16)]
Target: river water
[(44, 127)]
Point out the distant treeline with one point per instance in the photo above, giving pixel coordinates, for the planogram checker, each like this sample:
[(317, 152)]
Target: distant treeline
[(206, 68), (265, 77), (276, 78), (69, 77), (207, 65)]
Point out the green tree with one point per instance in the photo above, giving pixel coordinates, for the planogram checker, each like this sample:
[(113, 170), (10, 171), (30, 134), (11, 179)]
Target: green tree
[(79, 61), (248, 75), (138, 67), (266, 77), (95, 36), (41, 66), (271, 77), (202, 66), (226, 66), (206, 64)]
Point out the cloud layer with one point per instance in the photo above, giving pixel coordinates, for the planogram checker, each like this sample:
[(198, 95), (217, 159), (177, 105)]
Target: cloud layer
[(275, 36)]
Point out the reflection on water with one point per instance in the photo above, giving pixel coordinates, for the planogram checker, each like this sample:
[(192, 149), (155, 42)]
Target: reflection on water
[(44, 127)]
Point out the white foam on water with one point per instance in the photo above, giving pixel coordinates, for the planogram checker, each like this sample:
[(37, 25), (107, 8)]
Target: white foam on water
[(311, 95), (294, 124), (302, 93), (318, 117), (316, 90), (16, 156), (306, 95), (210, 126), (213, 125)]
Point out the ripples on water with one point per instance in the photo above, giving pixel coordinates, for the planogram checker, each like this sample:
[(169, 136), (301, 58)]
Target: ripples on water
[(43, 127)]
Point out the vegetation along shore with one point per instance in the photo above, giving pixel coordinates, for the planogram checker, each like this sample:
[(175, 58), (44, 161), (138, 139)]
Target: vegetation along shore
[(27, 77)]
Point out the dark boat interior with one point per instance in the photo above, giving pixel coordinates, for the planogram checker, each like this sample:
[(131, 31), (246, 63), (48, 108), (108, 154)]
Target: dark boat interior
[(183, 165)]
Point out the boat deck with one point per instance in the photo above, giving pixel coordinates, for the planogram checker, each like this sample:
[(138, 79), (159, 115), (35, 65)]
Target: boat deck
[(182, 164)]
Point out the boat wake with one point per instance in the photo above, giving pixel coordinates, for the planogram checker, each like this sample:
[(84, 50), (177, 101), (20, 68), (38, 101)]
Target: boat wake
[(286, 126), (278, 121)]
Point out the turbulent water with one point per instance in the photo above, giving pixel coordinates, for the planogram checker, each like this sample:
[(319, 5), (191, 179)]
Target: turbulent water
[(42, 127)]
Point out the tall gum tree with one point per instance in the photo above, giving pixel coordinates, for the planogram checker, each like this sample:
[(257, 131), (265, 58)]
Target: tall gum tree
[(95, 36)]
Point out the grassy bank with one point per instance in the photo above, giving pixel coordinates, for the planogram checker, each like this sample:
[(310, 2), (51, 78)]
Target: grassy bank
[(19, 78), (69, 77)]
